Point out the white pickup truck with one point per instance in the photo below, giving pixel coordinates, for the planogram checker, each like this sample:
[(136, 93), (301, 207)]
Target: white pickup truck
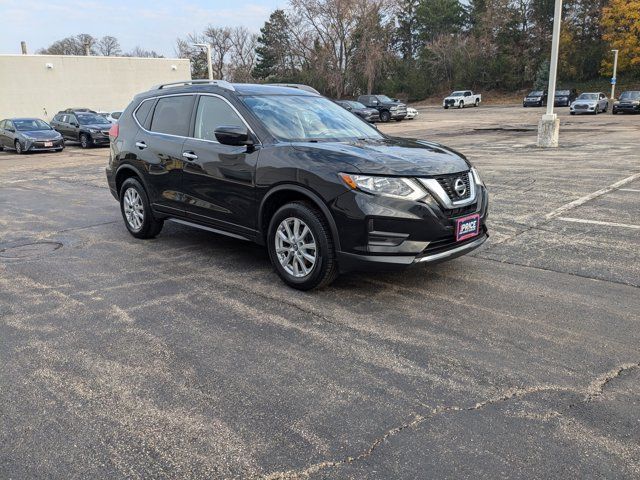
[(461, 99)]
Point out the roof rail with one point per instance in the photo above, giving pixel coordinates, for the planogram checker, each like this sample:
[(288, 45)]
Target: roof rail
[(299, 86), (219, 83)]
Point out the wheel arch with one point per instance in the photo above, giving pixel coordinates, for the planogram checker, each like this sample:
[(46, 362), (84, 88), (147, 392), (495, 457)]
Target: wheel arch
[(285, 193), (127, 171)]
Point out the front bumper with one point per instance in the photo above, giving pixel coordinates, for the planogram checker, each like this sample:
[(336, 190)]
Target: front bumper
[(384, 233), (583, 108), (626, 108), (561, 102), (530, 103), (39, 145)]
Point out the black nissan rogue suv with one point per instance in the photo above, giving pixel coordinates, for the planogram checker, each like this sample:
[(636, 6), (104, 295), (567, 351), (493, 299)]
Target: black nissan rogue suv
[(325, 191)]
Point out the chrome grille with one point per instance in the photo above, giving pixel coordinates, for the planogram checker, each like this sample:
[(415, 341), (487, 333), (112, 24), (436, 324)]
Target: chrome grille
[(447, 182)]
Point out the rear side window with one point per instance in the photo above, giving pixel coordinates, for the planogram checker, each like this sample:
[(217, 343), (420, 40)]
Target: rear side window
[(172, 115), (213, 112), (142, 113), (116, 115)]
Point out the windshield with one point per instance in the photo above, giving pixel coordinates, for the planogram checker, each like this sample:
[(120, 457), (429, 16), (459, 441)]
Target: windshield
[(630, 96), (457, 94), (356, 105), (536, 93), (563, 93), (384, 99), (91, 119), (588, 96), (30, 125), (293, 118)]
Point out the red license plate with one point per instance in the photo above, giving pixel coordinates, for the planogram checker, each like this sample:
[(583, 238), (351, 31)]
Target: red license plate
[(48, 144), (467, 227)]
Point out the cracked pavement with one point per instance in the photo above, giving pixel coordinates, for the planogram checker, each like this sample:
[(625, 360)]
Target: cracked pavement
[(185, 357)]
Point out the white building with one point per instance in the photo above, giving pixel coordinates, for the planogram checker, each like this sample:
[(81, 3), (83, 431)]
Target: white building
[(41, 85)]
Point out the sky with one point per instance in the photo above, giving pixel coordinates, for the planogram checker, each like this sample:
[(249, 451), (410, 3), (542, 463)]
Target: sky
[(151, 25)]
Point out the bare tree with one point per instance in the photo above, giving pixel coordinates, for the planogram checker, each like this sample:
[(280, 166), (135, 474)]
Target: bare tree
[(109, 46), (220, 40), (242, 56), (142, 53)]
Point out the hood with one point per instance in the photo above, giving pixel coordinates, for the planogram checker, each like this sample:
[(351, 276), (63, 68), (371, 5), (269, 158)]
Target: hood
[(392, 156), (585, 102), (41, 134), (452, 98)]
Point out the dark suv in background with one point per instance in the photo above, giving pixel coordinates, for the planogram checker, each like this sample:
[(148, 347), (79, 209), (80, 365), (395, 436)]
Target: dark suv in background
[(389, 109), (290, 169), (82, 125)]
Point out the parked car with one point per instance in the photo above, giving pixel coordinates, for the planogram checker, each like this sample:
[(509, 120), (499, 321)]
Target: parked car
[(389, 109), (565, 97), (29, 135), (369, 114), (536, 98), (590, 103), (411, 113), (628, 101), (114, 116), (461, 99), (290, 169), (88, 128)]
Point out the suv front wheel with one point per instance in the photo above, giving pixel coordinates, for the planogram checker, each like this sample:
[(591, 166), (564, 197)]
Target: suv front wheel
[(301, 247), (136, 211)]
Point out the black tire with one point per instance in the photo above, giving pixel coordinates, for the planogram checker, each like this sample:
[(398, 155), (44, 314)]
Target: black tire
[(150, 226), (85, 141), (572, 113), (325, 269), (614, 111), (446, 107), (1, 148), (461, 104), (606, 107), (385, 116), (399, 119), (18, 146), (477, 104)]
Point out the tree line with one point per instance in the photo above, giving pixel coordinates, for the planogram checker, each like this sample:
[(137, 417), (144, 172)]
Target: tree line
[(84, 43), (410, 48), (416, 48)]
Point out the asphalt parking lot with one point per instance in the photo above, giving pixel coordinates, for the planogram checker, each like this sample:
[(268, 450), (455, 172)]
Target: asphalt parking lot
[(186, 357)]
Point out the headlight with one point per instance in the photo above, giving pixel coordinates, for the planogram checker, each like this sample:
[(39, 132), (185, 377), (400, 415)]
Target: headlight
[(93, 130), (393, 109), (394, 187), (476, 176)]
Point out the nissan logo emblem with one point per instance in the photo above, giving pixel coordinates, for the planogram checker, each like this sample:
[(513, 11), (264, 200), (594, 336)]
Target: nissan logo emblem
[(460, 187)]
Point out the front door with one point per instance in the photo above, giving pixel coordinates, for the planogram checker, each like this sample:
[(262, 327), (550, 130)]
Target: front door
[(218, 180)]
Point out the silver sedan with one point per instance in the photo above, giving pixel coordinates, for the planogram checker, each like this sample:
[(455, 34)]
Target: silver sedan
[(592, 103)]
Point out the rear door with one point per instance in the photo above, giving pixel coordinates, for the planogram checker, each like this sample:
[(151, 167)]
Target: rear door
[(218, 180), (158, 149), (3, 137)]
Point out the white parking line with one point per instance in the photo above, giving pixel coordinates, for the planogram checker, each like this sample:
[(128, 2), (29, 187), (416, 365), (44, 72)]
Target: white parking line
[(629, 190), (597, 222), (582, 200)]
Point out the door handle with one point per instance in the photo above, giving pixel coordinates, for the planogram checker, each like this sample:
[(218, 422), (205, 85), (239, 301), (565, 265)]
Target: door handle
[(141, 145), (190, 156)]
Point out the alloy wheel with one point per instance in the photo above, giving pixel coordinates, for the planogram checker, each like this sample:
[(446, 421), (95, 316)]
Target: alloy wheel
[(133, 209), (295, 247)]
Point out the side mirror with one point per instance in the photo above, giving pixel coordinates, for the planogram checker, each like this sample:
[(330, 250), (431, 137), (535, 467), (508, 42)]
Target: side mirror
[(233, 135)]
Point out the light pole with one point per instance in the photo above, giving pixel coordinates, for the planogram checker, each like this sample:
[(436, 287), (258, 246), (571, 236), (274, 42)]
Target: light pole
[(208, 48), (615, 71), (549, 126)]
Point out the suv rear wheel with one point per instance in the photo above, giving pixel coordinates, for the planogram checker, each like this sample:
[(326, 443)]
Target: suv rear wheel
[(300, 246), (136, 211)]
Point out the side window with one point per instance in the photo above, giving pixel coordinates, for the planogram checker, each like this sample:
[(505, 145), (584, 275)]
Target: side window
[(142, 113), (172, 115), (2, 125), (64, 118), (467, 94), (72, 119), (213, 112), (57, 117)]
